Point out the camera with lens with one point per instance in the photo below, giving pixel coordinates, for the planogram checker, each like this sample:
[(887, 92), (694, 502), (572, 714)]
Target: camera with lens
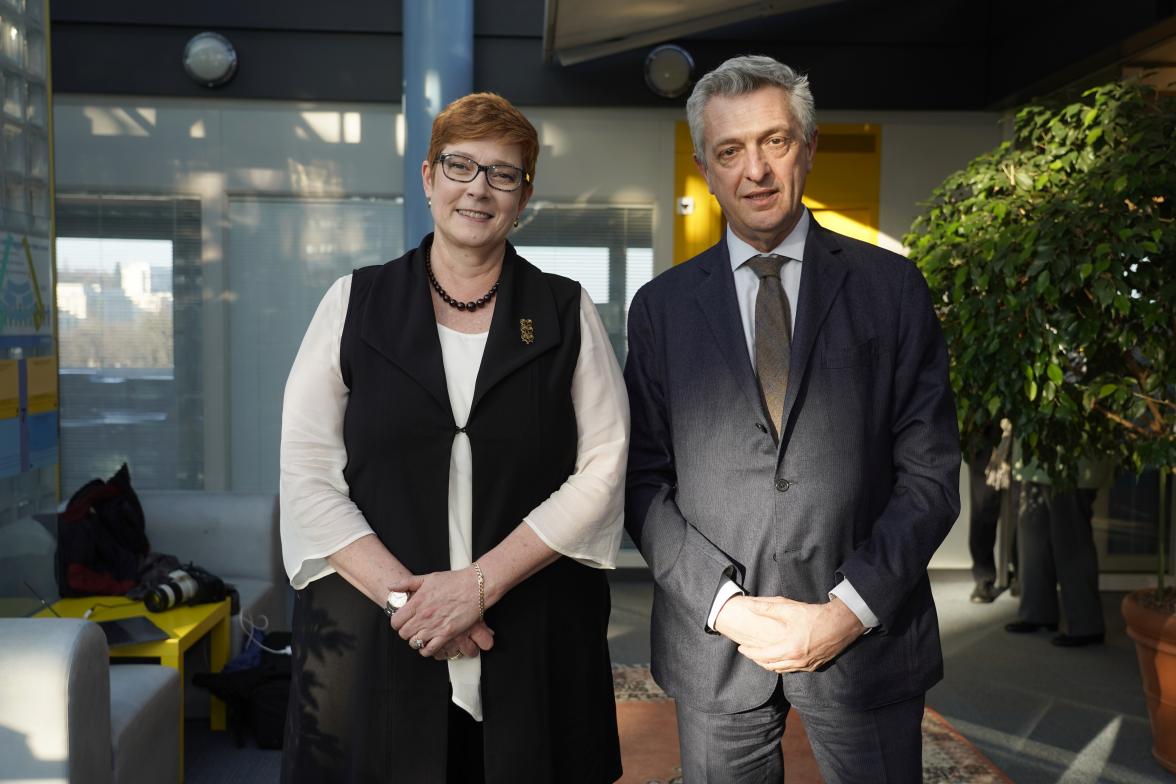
[(188, 585)]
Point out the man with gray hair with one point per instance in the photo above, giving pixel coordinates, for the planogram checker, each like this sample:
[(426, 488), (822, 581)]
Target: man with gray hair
[(794, 462)]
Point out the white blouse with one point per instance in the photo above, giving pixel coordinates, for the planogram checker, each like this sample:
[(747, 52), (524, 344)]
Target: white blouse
[(582, 519)]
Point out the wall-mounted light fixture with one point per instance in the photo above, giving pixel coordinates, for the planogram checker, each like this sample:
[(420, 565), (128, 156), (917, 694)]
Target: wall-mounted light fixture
[(210, 60), (668, 69)]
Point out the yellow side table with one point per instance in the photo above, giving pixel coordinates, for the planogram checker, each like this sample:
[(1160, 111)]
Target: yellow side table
[(184, 626)]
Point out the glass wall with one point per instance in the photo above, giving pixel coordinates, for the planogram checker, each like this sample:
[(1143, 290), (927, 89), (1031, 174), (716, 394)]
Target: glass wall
[(284, 253)]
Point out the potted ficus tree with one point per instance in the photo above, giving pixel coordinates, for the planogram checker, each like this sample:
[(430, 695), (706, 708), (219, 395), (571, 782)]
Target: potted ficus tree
[(1051, 262)]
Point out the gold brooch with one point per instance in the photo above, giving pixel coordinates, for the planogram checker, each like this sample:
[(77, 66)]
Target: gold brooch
[(527, 331)]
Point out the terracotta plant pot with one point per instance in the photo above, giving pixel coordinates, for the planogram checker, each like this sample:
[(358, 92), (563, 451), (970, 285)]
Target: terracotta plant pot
[(1154, 632)]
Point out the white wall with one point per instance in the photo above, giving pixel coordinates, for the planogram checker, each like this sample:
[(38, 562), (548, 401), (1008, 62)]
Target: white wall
[(212, 149)]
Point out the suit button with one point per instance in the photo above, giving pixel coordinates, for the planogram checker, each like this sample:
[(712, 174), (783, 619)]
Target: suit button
[(782, 485), (760, 426)]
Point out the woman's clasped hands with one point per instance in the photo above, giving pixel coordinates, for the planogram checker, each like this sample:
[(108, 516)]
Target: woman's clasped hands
[(441, 618)]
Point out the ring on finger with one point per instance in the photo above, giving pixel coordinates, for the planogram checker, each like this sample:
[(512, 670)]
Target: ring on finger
[(417, 643), (456, 655)]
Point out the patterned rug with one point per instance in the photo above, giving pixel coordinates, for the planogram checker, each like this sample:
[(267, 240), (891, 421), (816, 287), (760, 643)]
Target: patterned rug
[(649, 741)]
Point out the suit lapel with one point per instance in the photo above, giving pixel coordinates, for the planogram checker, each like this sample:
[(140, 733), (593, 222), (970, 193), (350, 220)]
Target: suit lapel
[(720, 306), (824, 272), (398, 322), (524, 326)]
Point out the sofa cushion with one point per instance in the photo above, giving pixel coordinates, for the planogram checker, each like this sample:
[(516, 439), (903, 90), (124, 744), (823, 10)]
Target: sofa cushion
[(145, 723), (232, 535)]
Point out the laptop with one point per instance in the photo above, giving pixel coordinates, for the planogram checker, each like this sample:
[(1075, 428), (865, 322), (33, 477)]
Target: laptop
[(131, 631)]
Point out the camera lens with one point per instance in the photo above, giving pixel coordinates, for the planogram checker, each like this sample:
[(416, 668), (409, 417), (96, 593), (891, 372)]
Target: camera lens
[(177, 589)]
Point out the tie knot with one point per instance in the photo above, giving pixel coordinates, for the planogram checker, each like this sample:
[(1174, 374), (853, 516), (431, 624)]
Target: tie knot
[(767, 266)]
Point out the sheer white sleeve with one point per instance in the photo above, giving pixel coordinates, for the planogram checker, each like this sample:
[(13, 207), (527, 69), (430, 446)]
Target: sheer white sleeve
[(584, 518), (318, 517)]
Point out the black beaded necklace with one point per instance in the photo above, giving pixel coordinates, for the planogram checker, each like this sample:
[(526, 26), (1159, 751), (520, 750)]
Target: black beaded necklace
[(450, 301)]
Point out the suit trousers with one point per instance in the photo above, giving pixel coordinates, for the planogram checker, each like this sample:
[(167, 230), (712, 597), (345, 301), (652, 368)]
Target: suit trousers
[(1056, 548), (983, 523), (868, 746)]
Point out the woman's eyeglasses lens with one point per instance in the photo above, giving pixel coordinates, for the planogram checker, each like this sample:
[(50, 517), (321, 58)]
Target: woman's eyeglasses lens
[(501, 176)]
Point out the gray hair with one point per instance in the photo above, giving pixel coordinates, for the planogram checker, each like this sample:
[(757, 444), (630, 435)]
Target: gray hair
[(743, 75)]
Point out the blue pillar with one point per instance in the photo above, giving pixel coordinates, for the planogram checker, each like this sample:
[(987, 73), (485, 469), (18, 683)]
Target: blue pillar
[(438, 68)]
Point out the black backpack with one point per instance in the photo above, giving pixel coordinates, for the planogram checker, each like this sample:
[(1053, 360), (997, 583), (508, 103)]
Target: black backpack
[(101, 538), (256, 698)]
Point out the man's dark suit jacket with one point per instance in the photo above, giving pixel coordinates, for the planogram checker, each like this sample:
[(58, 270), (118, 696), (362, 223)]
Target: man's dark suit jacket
[(864, 484)]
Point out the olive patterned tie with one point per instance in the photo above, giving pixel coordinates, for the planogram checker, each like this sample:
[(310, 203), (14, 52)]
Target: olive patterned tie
[(773, 337)]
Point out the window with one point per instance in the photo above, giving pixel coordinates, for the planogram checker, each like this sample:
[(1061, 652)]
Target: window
[(608, 249), (1126, 522), (128, 295)]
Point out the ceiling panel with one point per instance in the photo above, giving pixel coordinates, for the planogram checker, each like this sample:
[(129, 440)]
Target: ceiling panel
[(576, 31)]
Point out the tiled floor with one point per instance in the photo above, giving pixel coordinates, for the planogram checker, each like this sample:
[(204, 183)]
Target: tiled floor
[(1042, 714)]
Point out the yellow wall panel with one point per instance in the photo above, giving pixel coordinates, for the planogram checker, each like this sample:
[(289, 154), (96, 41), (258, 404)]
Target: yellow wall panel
[(844, 187), (702, 225)]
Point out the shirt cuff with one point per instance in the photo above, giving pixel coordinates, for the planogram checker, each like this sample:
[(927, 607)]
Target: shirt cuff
[(727, 589), (853, 600)]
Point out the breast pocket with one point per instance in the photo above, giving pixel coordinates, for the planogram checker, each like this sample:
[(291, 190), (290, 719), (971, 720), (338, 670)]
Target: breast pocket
[(854, 355)]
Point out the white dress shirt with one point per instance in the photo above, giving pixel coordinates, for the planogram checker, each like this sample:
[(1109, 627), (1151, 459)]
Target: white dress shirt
[(582, 519), (746, 289)]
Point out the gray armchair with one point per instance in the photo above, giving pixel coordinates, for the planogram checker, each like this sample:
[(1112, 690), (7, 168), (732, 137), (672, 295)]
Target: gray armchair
[(67, 715)]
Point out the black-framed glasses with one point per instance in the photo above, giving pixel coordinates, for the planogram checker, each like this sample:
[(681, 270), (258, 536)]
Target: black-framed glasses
[(500, 176)]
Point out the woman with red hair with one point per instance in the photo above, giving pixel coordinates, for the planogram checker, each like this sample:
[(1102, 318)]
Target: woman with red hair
[(454, 436)]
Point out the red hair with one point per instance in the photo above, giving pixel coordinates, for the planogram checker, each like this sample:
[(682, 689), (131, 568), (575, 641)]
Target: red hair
[(480, 116)]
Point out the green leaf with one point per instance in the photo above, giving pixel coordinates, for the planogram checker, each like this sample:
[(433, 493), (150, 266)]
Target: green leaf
[(1023, 180), (1084, 270), (1088, 118), (999, 209), (1030, 391), (1055, 373), (1107, 389), (1104, 291), (993, 405), (1120, 182), (1094, 135)]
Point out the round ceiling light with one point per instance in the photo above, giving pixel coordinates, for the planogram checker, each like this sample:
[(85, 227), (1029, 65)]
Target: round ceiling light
[(668, 69), (210, 60)]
